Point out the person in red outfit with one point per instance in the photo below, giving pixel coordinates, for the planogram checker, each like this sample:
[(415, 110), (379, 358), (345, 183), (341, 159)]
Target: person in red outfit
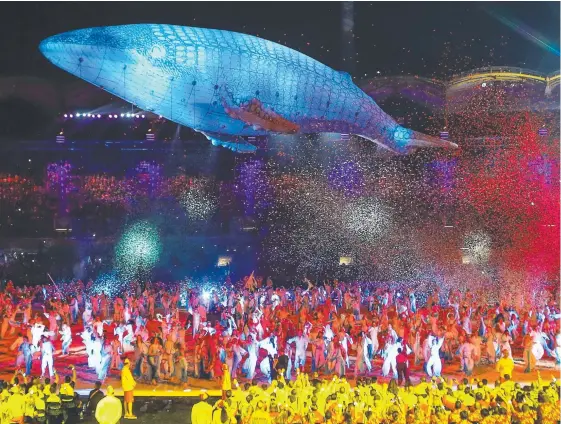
[(402, 367)]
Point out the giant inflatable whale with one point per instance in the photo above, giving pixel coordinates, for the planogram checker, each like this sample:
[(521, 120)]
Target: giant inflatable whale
[(226, 85)]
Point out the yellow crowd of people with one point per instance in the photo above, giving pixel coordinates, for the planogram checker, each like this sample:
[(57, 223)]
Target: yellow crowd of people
[(335, 401), (310, 400), (39, 400)]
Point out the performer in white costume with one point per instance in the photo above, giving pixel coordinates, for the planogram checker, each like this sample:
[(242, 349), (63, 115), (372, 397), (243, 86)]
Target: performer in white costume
[(390, 362), (362, 357), (37, 331), (251, 362), (434, 364), (47, 351), (301, 343)]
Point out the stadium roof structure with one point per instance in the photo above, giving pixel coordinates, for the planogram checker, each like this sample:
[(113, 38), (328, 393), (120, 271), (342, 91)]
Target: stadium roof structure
[(429, 92), (480, 76), (539, 90)]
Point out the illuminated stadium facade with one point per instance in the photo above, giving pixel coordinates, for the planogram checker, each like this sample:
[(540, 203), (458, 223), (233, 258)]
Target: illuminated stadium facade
[(539, 91), (455, 104), (226, 85)]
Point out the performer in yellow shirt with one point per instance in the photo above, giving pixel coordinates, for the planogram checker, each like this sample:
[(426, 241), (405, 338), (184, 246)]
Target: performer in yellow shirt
[(505, 365), (16, 405), (128, 384), (201, 413), (260, 415), (109, 409), (226, 380)]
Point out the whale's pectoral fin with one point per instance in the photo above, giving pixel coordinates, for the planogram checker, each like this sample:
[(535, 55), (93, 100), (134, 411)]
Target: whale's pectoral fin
[(260, 117), (234, 143)]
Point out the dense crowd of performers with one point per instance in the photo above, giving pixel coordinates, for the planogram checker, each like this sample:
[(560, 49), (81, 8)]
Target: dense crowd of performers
[(254, 331)]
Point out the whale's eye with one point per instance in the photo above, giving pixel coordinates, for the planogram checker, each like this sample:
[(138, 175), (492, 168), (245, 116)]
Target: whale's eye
[(158, 52)]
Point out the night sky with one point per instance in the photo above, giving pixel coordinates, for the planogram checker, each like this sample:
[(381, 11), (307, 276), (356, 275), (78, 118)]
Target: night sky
[(425, 39)]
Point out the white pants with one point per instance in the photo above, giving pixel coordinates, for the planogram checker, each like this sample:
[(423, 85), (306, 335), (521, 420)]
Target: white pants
[(390, 364), (300, 361), (251, 363), (434, 366), (47, 361)]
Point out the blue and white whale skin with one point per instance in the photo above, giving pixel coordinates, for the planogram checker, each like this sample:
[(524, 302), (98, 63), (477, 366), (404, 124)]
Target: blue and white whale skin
[(226, 85)]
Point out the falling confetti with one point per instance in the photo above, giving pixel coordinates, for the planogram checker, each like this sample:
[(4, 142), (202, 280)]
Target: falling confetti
[(198, 204), (478, 247), (367, 218), (108, 284), (138, 250)]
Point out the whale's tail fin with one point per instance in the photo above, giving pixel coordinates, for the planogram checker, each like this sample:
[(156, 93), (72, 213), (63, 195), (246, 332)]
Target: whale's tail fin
[(402, 140)]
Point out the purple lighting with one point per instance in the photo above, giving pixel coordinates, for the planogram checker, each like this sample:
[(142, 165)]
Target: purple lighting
[(59, 177), (149, 177), (443, 173), (346, 177), (253, 187)]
